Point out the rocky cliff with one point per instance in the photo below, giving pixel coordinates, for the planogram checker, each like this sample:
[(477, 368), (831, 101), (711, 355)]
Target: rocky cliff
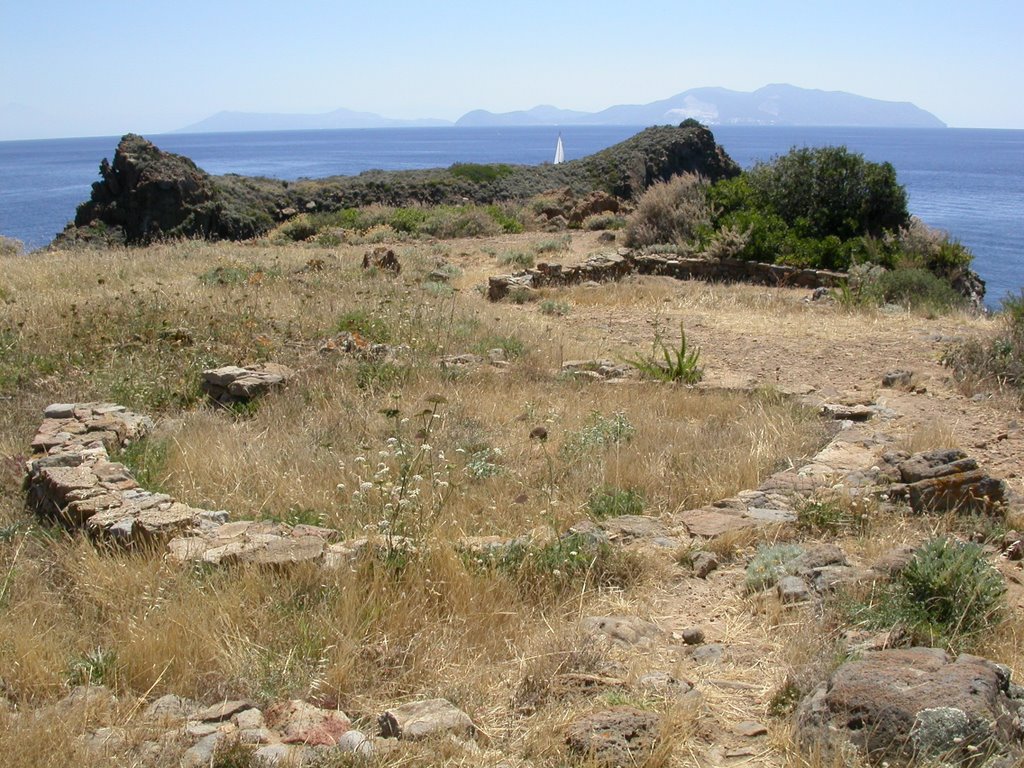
[(146, 194)]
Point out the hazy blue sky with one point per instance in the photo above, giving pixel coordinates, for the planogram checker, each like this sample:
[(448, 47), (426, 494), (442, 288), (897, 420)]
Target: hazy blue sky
[(105, 67)]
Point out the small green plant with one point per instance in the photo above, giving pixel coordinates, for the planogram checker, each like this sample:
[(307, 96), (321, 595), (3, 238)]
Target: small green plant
[(511, 346), (238, 274), (948, 596), (826, 516), (770, 564), (614, 502), (481, 462), (516, 259), (681, 364), (600, 431), (478, 173), (232, 753), (96, 667), (298, 229), (554, 308), (366, 324), (376, 375), (557, 245), (146, 459)]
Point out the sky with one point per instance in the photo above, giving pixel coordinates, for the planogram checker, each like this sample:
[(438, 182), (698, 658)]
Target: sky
[(107, 67)]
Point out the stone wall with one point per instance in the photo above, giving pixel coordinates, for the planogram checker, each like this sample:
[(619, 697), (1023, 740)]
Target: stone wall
[(624, 262)]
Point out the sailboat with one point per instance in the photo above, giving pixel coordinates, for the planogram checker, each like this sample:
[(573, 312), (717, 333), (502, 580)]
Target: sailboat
[(559, 151)]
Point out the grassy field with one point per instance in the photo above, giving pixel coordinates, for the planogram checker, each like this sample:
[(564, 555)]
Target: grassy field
[(401, 444)]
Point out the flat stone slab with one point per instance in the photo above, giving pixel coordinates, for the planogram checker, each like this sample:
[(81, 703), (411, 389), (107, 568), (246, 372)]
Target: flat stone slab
[(236, 384)]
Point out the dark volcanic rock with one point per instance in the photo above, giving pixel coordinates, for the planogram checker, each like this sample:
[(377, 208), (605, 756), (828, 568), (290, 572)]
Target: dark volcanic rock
[(915, 703), (149, 194)]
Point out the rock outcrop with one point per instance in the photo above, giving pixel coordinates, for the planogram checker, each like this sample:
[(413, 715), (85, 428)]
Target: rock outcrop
[(146, 194), (236, 384)]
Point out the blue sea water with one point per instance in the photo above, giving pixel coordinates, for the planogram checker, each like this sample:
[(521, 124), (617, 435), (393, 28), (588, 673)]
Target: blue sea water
[(968, 182)]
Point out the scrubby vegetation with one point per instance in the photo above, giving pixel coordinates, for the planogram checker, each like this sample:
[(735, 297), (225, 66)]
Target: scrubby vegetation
[(824, 208), (996, 362)]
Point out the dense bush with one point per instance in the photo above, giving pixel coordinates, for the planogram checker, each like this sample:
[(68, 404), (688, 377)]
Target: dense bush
[(948, 596), (673, 211), (830, 191)]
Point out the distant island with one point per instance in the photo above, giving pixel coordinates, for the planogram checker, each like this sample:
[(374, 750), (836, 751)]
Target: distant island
[(778, 104)]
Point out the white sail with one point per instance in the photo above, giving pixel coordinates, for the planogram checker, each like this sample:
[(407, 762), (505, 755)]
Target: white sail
[(559, 151)]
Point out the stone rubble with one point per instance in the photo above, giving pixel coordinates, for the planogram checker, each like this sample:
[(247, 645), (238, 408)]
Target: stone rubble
[(71, 478), (236, 384)]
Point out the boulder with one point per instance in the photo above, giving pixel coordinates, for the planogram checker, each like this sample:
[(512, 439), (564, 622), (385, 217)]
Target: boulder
[(382, 257), (236, 384), (420, 719), (621, 736), (945, 481), (916, 703)]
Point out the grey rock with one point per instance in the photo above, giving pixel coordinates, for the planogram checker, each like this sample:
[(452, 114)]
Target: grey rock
[(711, 653), (693, 635), (169, 709), (356, 742), (704, 563), (420, 719), (792, 589), (200, 754)]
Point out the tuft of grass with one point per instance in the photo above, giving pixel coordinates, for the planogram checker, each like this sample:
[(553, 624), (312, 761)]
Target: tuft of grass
[(517, 259), (370, 326), (554, 308)]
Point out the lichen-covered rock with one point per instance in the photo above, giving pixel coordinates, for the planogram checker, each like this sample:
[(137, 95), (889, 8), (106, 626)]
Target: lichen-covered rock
[(915, 703), (945, 481)]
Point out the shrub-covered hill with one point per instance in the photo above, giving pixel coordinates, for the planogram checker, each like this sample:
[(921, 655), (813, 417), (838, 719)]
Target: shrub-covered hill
[(147, 194)]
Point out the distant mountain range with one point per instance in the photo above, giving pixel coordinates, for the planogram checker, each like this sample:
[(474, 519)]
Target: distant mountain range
[(772, 105)]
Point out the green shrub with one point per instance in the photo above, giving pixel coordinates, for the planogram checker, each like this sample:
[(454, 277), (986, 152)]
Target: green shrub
[(477, 172), (948, 596), (830, 191), (366, 324), (614, 502), (673, 211), (298, 229), (407, 220), (913, 288), (507, 217), (770, 564)]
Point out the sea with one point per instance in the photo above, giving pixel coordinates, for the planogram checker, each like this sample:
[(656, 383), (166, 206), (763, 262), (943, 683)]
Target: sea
[(969, 182)]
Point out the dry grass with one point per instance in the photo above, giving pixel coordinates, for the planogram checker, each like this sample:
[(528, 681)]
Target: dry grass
[(137, 326)]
